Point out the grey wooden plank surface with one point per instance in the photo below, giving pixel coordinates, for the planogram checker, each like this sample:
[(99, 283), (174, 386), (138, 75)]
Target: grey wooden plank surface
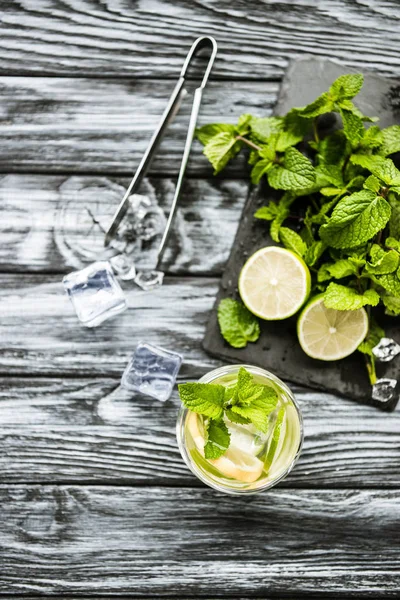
[(45, 223), (151, 38), (87, 125), (114, 541), (91, 430), (40, 333)]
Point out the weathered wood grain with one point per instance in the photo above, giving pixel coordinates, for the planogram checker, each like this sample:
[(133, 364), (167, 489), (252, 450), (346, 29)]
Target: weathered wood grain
[(91, 430), (45, 223), (256, 39), (40, 333), (87, 125), (168, 542)]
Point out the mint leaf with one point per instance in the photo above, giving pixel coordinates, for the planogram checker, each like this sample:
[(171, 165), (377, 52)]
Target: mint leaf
[(330, 174), (218, 439), (291, 240), (372, 183), (394, 221), (382, 262), (296, 173), (372, 137), (268, 213), (236, 418), (220, 149), (346, 86), (332, 150), (392, 305), (263, 128), (323, 104), (260, 168), (286, 139), (344, 267), (391, 140), (355, 220), (383, 168), (353, 126), (204, 398), (253, 402), (237, 324), (341, 297), (391, 242), (244, 124), (314, 253), (375, 334), (389, 282), (207, 132)]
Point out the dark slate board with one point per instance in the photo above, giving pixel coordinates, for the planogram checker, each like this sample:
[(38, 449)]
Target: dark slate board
[(277, 348)]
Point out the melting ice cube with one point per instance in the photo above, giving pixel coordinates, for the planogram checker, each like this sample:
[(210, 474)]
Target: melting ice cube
[(384, 390), (152, 370), (386, 350), (149, 280), (95, 293), (123, 266)]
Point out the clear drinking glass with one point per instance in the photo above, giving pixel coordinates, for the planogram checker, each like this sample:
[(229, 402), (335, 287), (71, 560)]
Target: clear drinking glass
[(248, 447)]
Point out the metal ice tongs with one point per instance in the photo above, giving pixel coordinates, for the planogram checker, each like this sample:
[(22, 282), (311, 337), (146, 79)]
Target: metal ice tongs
[(169, 113)]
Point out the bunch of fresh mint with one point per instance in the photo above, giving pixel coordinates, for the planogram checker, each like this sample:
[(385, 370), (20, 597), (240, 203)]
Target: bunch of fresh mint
[(340, 203), (246, 402)]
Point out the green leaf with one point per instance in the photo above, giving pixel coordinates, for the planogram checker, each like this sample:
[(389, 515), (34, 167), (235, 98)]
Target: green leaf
[(321, 105), (286, 139), (353, 126), (375, 334), (291, 240), (391, 140), (297, 172), (355, 220), (346, 86), (341, 297), (218, 439), (237, 324), (372, 183), (344, 267), (260, 168), (383, 168), (263, 128), (267, 213), (236, 418), (372, 137), (221, 149), (392, 305), (206, 133), (390, 282), (204, 398), (391, 242), (314, 252), (382, 262), (253, 401), (332, 149), (394, 222), (330, 174), (244, 124)]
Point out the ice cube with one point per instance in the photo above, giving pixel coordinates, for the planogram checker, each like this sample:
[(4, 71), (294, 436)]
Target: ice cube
[(123, 267), (384, 390), (386, 350), (148, 219), (95, 293), (149, 280), (152, 370)]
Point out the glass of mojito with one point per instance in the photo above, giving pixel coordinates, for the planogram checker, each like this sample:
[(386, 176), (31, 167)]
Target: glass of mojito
[(239, 429)]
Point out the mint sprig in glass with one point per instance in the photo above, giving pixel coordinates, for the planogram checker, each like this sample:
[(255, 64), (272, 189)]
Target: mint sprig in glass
[(239, 429)]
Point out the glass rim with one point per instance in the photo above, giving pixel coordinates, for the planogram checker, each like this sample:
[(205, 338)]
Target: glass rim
[(180, 433)]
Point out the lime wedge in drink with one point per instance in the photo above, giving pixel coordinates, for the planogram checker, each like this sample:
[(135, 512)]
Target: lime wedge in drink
[(274, 283), (329, 334)]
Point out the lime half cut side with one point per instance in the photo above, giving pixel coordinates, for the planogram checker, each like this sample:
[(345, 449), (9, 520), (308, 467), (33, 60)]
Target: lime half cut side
[(328, 334), (274, 283)]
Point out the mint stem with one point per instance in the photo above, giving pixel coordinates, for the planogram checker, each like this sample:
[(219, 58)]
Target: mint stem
[(249, 143)]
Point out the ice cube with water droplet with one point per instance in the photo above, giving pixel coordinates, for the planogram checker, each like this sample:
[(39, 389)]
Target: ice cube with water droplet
[(385, 389), (123, 266), (149, 280), (95, 293), (386, 350), (152, 371)]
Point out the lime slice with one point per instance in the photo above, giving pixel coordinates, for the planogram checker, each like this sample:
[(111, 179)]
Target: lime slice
[(329, 334), (274, 283), (235, 463)]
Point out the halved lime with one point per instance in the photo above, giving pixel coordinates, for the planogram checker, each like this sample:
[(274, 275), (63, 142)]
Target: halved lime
[(274, 283), (328, 334)]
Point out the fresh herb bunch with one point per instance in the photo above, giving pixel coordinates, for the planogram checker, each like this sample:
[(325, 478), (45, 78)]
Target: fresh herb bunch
[(340, 203), (247, 402)]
